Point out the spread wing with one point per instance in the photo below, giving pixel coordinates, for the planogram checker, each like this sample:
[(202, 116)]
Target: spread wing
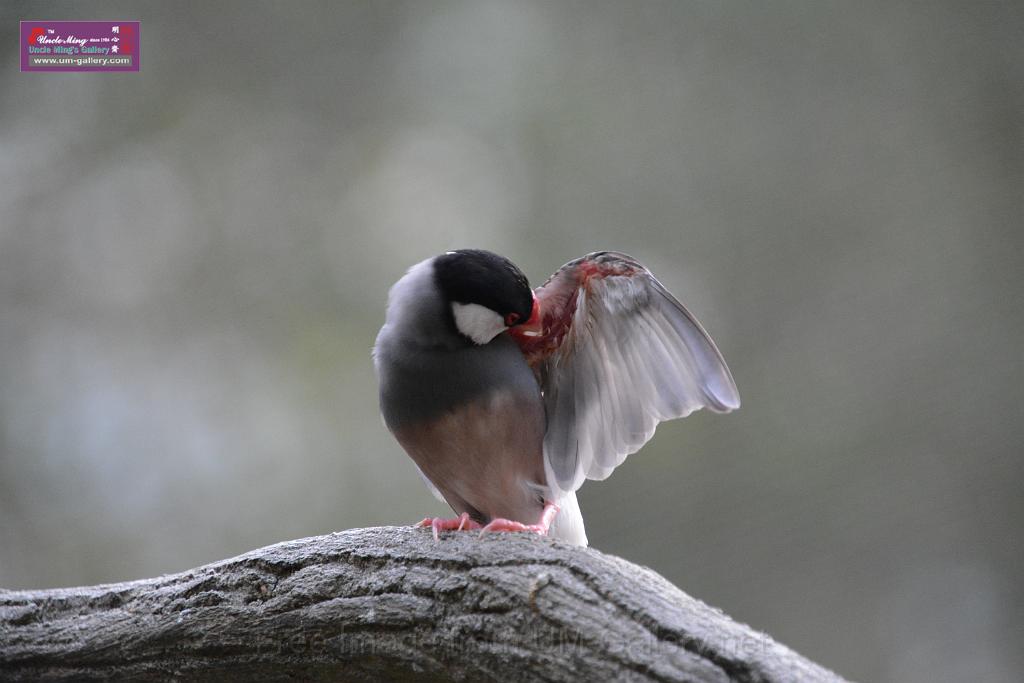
[(616, 354)]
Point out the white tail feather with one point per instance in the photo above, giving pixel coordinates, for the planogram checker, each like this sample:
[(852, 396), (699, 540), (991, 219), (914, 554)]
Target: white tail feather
[(568, 524)]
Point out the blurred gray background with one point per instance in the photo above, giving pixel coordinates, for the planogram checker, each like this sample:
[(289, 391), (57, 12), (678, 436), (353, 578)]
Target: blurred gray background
[(194, 262)]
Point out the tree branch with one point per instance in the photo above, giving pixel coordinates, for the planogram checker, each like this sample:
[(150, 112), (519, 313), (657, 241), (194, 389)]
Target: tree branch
[(389, 603)]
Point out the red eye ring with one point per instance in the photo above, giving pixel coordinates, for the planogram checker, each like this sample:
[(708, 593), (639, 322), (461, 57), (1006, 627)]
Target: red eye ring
[(511, 319)]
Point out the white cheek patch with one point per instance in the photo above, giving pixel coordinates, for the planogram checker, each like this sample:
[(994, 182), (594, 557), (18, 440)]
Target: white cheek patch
[(477, 322)]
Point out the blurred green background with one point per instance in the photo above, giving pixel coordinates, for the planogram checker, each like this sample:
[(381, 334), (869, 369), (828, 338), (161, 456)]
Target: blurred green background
[(194, 262)]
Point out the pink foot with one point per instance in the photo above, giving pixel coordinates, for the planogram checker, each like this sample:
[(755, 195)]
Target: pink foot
[(541, 527), (458, 524)]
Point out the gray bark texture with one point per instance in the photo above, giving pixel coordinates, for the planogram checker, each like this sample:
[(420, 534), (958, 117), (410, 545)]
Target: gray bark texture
[(390, 603)]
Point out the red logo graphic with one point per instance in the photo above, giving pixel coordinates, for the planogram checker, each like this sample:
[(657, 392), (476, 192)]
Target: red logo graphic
[(126, 44)]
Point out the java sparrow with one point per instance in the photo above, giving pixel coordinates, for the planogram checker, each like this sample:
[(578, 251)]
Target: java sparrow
[(508, 399)]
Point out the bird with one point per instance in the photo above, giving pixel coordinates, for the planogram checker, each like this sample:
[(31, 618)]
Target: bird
[(508, 398)]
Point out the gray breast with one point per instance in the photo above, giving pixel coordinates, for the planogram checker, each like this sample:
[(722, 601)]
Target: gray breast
[(419, 383)]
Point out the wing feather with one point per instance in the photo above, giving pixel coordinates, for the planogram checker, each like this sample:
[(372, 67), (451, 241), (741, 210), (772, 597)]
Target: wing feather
[(631, 356)]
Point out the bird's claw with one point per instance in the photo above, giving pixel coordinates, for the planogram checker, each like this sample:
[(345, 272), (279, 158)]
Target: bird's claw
[(439, 524), (464, 523), (541, 527), (502, 524)]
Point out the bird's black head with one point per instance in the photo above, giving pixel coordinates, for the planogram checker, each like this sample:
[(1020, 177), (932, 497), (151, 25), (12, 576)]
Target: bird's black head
[(473, 278)]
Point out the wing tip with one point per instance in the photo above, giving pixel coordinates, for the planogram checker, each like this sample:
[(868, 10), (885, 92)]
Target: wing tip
[(727, 405), (723, 396)]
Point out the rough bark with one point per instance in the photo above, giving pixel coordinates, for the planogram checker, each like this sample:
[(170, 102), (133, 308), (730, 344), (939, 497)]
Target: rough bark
[(391, 604)]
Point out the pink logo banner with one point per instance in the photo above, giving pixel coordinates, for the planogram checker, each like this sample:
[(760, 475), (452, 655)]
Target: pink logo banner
[(79, 46)]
